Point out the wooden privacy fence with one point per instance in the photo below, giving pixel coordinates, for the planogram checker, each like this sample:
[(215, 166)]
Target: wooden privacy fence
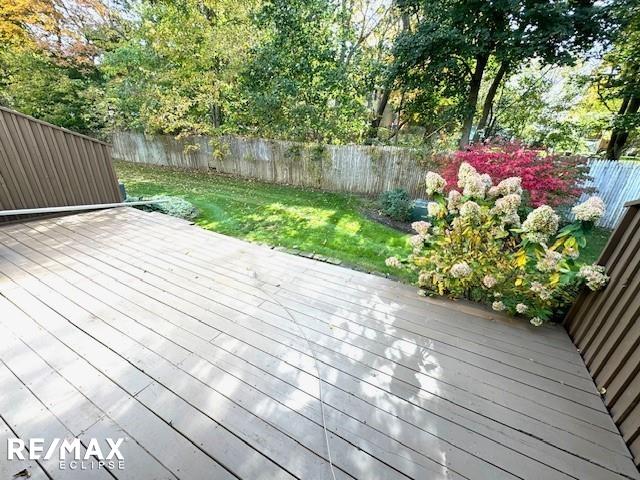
[(605, 327), (42, 165), (342, 168), (616, 182)]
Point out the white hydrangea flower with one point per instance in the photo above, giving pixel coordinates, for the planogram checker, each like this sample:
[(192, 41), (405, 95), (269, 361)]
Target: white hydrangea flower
[(571, 252), (464, 172), (489, 281), (417, 241), (470, 211), (594, 276), (507, 205), (471, 182), (421, 227), (424, 278), (540, 290), (536, 321), (493, 192), (453, 201), (498, 306), (474, 187), (536, 237), (510, 185), (460, 270), (540, 224), (393, 262), (590, 211), (521, 308), (550, 261), (435, 183), (433, 209), (511, 219), (457, 223)]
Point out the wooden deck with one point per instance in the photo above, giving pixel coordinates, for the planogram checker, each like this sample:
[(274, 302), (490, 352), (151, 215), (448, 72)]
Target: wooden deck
[(198, 349)]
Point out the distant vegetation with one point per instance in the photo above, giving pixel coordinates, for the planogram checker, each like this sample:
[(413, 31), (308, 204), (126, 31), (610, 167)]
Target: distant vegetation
[(561, 74)]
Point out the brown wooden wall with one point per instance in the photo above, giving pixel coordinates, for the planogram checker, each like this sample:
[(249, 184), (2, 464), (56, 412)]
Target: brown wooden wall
[(605, 327), (42, 165)]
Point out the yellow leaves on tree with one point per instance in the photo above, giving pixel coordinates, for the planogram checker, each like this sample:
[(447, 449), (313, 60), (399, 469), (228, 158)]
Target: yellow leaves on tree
[(20, 18)]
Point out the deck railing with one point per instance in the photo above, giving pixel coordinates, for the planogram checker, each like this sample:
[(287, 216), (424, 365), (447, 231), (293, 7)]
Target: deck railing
[(42, 165), (605, 327)]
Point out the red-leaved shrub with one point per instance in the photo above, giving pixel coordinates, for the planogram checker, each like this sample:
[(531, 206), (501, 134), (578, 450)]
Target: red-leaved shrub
[(550, 179)]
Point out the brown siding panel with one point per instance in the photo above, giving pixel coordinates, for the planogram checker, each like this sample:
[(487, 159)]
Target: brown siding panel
[(605, 327), (42, 165)]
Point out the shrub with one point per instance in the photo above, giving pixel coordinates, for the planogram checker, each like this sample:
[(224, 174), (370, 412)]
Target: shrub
[(396, 204), (478, 247), (174, 206), (549, 179)]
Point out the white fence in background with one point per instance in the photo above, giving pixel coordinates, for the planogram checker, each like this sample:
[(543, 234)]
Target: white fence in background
[(342, 168), (616, 182)]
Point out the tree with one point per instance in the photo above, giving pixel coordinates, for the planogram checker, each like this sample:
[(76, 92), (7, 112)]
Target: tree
[(549, 107), (176, 67), (48, 60), (456, 40), (17, 17), (300, 82), (384, 74), (64, 95), (618, 84)]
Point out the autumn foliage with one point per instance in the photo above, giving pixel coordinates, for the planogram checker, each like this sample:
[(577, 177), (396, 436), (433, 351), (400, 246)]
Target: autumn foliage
[(549, 179)]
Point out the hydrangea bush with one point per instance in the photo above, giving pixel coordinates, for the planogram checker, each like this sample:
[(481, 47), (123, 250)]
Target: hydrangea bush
[(476, 246)]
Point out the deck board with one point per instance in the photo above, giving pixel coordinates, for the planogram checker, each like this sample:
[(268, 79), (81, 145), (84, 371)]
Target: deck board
[(169, 333)]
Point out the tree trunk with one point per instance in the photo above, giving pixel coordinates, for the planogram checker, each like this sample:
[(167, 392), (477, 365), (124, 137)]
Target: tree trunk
[(618, 136), (377, 118), (610, 154), (372, 134), (488, 102), (472, 100)]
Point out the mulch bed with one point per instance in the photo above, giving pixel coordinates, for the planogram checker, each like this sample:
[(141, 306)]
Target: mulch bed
[(377, 216)]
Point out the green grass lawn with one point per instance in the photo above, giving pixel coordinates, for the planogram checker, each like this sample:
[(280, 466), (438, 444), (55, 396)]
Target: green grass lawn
[(328, 224), (596, 240)]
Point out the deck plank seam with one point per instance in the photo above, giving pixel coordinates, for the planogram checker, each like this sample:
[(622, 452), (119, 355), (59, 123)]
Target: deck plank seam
[(15, 435), (28, 388), (103, 414)]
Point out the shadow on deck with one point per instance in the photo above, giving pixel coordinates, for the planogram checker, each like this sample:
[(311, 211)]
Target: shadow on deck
[(197, 348)]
